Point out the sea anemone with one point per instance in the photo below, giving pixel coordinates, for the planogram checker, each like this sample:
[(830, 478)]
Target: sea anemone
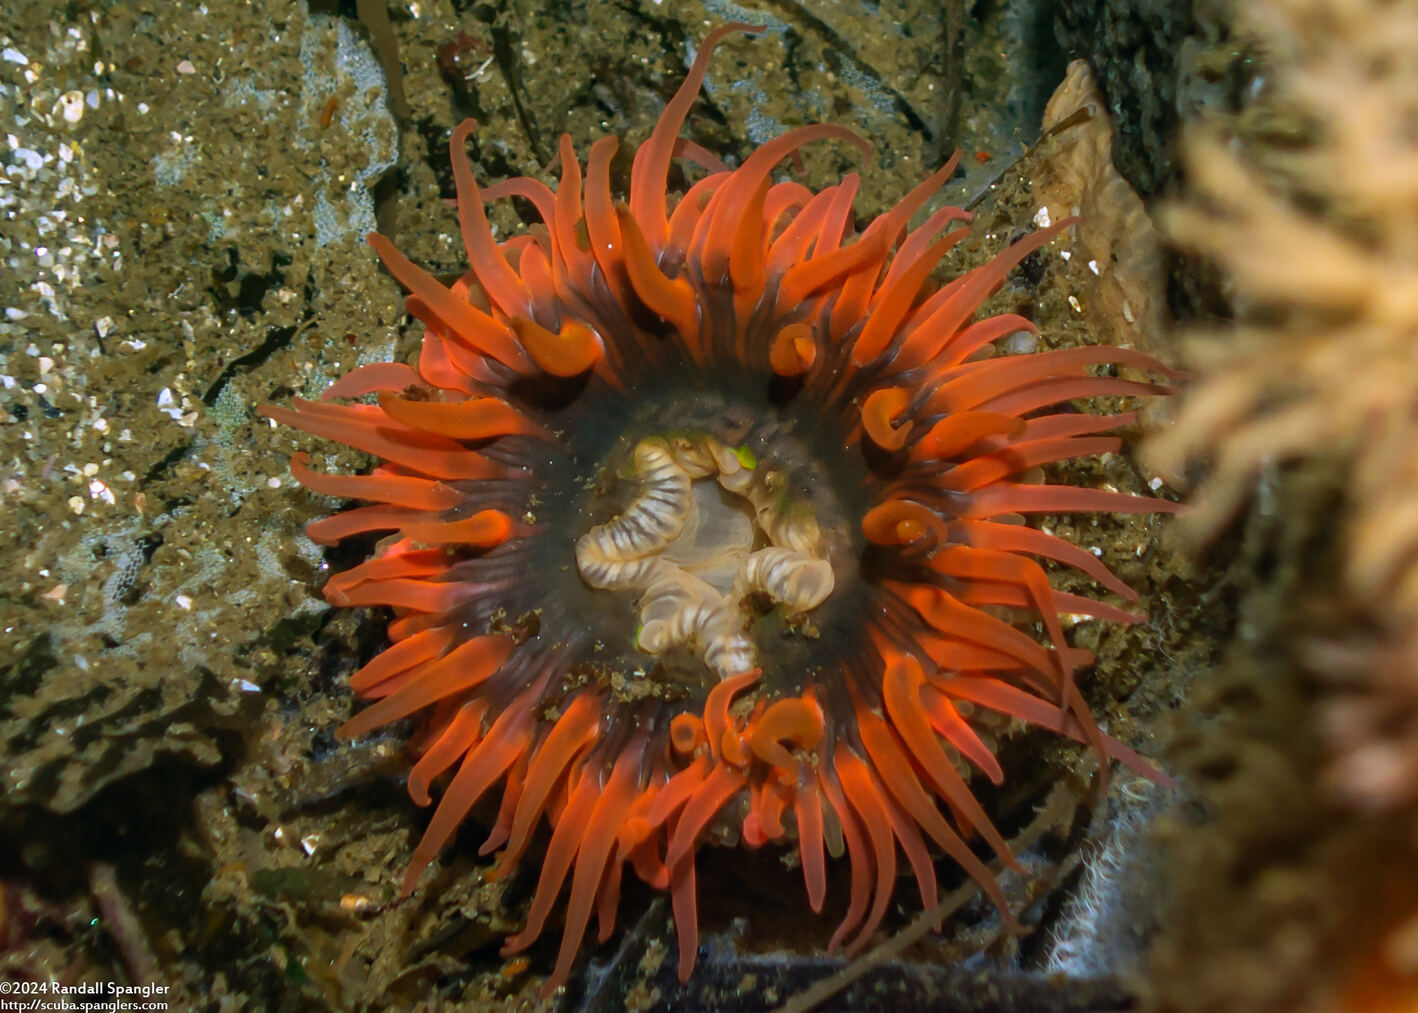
[(705, 516)]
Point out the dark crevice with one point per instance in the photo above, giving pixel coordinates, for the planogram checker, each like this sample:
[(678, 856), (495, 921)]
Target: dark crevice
[(505, 56), (243, 292), (277, 338), (168, 460)]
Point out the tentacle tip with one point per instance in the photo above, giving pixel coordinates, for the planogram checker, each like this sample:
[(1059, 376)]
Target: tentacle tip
[(753, 834), (1163, 780), (568, 353), (1153, 774)]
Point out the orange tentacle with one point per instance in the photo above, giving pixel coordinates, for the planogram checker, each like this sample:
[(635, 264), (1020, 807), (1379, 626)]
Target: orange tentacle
[(793, 351), (461, 735), (511, 793), (901, 781), (901, 692), (859, 859), (1018, 538), (434, 456), (649, 172), (568, 352), (902, 522), (483, 529), (972, 289), (602, 226), (375, 376), (671, 298), (823, 269), (423, 646), (684, 901), (565, 841), (505, 742), (415, 595), (957, 433), (1014, 498), (481, 418), (882, 413), (701, 807), (575, 729), (496, 275), (998, 377), (798, 720), (716, 708), (469, 323), (396, 490), (598, 840), (893, 301), (461, 669), (807, 805), (571, 241), (1006, 699), (949, 725), (680, 788)]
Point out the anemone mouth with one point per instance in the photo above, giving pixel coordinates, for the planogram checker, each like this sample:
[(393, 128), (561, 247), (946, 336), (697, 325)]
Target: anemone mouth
[(708, 536), (703, 517)]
